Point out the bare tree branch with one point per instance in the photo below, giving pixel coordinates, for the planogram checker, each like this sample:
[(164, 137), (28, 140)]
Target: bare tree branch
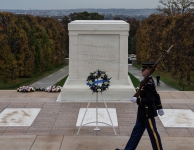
[(173, 7)]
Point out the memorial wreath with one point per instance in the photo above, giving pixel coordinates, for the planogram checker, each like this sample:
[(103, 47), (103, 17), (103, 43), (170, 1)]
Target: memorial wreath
[(53, 88), (98, 81), (26, 89)]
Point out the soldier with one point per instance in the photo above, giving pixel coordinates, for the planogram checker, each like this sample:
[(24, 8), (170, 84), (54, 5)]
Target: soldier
[(158, 80), (148, 104)]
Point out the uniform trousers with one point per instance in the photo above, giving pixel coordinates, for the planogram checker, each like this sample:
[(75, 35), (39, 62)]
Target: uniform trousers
[(138, 130)]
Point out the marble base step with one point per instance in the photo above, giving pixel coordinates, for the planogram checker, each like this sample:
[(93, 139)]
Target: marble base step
[(79, 91)]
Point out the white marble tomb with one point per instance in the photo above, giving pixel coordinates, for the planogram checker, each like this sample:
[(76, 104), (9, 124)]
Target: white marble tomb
[(18, 116), (98, 44), (102, 117), (177, 118)]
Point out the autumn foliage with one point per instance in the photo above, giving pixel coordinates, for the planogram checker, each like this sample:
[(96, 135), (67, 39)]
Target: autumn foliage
[(29, 45), (157, 33)]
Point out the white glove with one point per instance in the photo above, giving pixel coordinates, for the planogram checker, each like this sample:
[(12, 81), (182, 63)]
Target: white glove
[(134, 99), (160, 112), (137, 88)]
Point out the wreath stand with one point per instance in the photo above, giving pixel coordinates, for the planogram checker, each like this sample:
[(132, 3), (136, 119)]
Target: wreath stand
[(96, 128)]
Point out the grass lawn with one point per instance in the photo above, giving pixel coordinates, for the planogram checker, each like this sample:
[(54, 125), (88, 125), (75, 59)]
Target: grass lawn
[(62, 81), (170, 80), (29, 80), (134, 80)]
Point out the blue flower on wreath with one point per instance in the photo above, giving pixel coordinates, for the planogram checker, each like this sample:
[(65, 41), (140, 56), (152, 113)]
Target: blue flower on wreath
[(98, 81)]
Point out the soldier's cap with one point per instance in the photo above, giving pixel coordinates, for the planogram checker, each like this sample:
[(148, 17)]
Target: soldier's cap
[(146, 65)]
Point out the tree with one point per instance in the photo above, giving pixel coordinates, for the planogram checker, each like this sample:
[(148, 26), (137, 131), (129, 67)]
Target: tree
[(65, 20), (29, 45), (173, 7), (85, 16), (134, 25), (157, 33), (8, 63), (52, 41)]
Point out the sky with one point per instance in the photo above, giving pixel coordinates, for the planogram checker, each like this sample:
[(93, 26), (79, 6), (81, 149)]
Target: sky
[(73, 4)]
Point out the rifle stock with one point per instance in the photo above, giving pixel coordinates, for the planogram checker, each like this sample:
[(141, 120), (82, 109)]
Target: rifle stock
[(145, 80)]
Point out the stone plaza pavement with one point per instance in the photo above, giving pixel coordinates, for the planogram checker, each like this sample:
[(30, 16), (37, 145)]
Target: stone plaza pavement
[(54, 128)]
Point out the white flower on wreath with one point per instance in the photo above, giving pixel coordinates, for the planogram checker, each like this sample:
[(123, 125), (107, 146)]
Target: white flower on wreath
[(99, 90), (102, 75), (53, 88), (58, 88), (25, 89), (90, 82), (105, 83), (95, 74), (48, 88)]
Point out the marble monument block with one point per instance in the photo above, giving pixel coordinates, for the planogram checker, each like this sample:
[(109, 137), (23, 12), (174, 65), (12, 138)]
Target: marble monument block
[(98, 44)]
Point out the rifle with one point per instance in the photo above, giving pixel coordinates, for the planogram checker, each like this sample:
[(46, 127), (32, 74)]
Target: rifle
[(145, 80)]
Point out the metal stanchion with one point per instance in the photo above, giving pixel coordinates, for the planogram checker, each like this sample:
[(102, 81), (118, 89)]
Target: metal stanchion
[(109, 115), (84, 114), (96, 128)]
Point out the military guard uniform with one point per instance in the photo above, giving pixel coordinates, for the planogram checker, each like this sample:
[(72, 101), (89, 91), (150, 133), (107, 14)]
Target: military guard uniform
[(148, 104)]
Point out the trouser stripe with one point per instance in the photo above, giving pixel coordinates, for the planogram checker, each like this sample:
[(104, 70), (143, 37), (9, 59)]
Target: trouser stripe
[(156, 139)]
